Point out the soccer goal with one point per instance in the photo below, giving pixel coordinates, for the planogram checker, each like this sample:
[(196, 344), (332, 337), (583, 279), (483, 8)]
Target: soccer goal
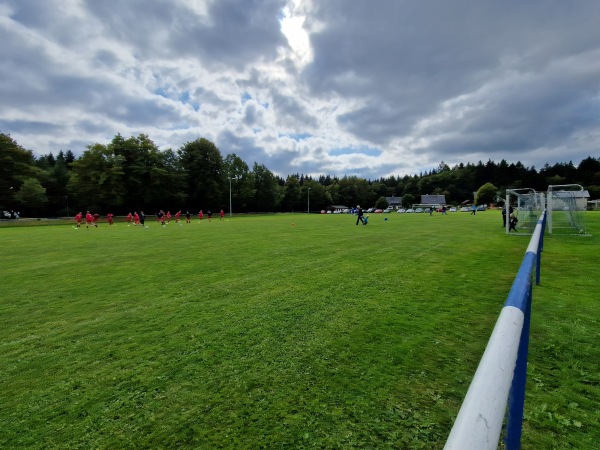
[(567, 209), (527, 205)]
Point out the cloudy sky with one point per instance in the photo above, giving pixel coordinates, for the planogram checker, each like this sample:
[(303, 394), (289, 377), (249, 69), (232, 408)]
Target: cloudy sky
[(362, 87)]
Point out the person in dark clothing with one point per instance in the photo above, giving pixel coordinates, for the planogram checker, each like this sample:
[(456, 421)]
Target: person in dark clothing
[(513, 222), (359, 215), (510, 213), (142, 218)]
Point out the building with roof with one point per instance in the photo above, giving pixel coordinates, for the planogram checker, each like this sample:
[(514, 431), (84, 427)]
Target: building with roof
[(433, 199), (564, 199), (394, 202)]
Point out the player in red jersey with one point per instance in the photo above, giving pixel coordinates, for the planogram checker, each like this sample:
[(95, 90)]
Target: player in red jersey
[(109, 218), (89, 220), (177, 214), (78, 218)]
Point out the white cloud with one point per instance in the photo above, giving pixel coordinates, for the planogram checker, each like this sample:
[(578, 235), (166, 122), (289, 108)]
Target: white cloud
[(311, 87)]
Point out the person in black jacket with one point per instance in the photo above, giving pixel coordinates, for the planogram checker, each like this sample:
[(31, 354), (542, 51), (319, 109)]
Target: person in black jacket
[(512, 225), (359, 215)]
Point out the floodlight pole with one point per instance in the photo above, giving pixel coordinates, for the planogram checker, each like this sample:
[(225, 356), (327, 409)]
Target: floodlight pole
[(230, 196), (308, 210)]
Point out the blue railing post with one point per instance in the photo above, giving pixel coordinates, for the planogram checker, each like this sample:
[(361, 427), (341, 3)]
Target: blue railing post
[(497, 391), (516, 399), (538, 266)]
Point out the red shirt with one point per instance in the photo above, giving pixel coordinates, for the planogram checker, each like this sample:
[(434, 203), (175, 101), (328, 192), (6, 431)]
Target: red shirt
[(89, 218), (78, 218)]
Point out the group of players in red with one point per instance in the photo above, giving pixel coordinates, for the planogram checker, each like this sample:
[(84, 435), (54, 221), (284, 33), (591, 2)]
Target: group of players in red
[(91, 220)]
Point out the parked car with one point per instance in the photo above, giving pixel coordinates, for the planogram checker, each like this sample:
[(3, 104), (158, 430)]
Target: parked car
[(419, 210), (453, 209), (378, 211), (465, 209), (401, 210), (481, 208), (410, 210)]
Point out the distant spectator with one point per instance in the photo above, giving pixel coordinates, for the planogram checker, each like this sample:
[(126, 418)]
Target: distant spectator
[(513, 222), (359, 215)]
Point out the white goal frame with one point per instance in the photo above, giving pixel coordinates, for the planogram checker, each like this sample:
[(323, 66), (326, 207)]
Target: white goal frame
[(575, 217), (529, 208)]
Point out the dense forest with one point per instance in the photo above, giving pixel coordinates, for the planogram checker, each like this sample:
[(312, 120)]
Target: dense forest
[(131, 174)]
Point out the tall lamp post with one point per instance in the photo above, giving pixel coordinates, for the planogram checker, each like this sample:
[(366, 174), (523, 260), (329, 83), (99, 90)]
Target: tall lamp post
[(308, 211), (230, 196)]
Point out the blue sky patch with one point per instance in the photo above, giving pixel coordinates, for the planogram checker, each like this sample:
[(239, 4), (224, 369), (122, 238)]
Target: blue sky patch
[(369, 151), (296, 136)]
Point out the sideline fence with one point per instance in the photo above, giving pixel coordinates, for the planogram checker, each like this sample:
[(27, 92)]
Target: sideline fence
[(501, 374)]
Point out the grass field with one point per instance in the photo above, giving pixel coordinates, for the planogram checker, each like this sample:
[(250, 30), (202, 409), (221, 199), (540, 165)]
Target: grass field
[(284, 332)]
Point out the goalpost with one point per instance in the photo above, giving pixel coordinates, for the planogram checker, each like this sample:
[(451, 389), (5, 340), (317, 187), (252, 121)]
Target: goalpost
[(528, 209), (566, 209)]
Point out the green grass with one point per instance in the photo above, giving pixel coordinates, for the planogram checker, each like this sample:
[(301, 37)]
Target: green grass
[(284, 331)]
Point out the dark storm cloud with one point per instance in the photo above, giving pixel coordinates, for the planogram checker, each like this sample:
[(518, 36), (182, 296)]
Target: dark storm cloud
[(291, 113), (20, 126), (403, 60), (251, 115), (228, 143), (415, 81), (234, 32)]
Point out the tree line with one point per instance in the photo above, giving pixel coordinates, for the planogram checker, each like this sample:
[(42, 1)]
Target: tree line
[(131, 174)]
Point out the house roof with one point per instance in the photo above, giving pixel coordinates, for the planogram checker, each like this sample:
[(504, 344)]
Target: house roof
[(433, 198), (570, 194), (393, 200)]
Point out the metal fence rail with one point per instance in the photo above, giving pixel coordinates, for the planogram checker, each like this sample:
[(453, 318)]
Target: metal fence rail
[(500, 377)]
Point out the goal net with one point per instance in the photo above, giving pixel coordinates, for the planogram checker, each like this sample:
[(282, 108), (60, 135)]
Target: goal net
[(527, 206), (567, 209)]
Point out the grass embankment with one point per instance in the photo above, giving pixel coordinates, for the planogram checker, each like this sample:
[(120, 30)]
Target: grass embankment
[(284, 331)]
